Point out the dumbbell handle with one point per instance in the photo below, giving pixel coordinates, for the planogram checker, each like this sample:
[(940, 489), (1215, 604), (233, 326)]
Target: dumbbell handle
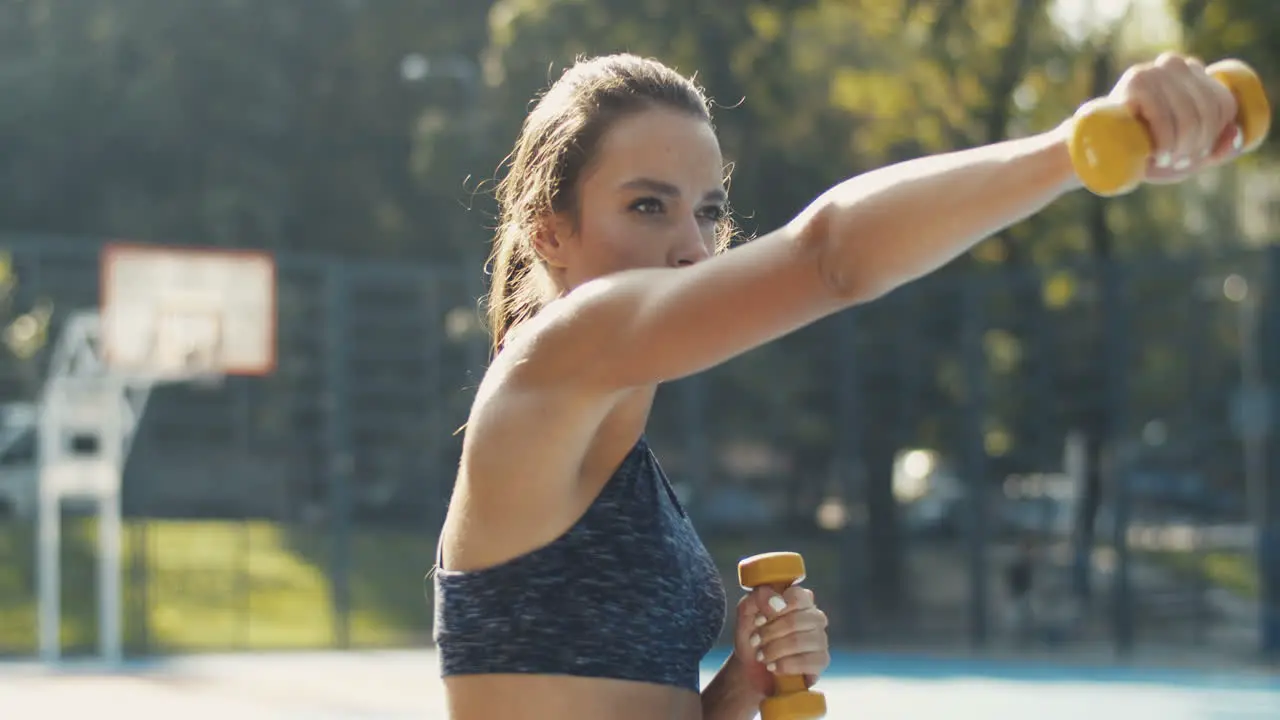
[(1110, 148), (785, 684)]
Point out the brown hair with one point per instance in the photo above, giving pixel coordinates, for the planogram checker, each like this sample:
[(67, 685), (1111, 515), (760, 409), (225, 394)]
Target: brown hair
[(557, 141)]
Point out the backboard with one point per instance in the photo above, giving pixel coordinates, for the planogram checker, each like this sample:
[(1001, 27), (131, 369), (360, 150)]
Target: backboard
[(174, 313)]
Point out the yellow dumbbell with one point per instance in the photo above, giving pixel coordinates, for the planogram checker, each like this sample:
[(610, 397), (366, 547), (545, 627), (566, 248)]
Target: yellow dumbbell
[(792, 699), (1110, 148)]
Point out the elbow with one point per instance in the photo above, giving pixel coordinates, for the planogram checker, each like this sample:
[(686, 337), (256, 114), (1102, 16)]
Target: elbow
[(826, 233)]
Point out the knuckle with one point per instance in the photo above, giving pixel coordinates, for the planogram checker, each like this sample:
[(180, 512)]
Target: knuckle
[(817, 637), (1207, 89), (1137, 77), (798, 595), (779, 649), (787, 624), (1145, 87), (774, 631), (1171, 60)]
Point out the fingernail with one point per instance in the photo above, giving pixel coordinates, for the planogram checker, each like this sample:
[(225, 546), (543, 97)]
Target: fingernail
[(1182, 164), (760, 621), (771, 667), (760, 656), (777, 603), (1163, 160), (755, 640), (1238, 141)]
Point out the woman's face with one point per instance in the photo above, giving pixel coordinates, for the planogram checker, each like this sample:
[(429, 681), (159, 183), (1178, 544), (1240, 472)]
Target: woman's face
[(652, 196)]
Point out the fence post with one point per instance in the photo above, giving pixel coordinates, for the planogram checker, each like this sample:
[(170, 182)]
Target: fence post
[(241, 423), (338, 448), (1116, 471), (1196, 330), (973, 325), (1269, 535), (140, 583), (848, 458), (433, 374), (693, 404)]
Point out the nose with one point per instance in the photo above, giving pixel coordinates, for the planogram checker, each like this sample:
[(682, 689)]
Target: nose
[(692, 247)]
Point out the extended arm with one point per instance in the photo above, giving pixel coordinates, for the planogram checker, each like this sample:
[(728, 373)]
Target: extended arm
[(859, 240), (891, 226), (856, 242)]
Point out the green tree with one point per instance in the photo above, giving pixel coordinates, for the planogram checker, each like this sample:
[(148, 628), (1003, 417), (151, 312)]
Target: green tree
[(226, 123)]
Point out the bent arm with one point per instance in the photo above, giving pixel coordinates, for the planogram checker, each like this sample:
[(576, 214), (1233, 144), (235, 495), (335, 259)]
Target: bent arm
[(729, 696), (861, 239)]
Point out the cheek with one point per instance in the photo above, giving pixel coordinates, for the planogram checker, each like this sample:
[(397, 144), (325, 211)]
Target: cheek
[(618, 241)]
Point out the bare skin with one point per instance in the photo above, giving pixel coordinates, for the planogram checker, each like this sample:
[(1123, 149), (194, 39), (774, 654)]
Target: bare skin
[(642, 300)]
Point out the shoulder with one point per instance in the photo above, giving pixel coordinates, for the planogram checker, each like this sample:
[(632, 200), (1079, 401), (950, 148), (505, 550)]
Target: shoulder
[(534, 381), (557, 346)]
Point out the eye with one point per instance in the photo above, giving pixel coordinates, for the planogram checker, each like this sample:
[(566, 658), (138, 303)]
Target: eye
[(647, 206), (712, 213)]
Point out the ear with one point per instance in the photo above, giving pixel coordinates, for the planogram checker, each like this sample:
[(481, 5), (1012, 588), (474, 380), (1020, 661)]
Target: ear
[(550, 240)]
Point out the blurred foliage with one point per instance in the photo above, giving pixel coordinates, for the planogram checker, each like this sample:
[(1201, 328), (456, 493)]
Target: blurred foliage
[(374, 129), (370, 128)]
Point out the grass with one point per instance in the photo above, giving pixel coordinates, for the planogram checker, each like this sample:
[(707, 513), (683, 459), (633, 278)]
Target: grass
[(202, 585), (1235, 572), (230, 585)]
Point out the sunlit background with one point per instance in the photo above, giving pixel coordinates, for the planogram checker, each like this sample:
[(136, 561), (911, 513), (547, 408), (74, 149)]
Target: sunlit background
[(1085, 398)]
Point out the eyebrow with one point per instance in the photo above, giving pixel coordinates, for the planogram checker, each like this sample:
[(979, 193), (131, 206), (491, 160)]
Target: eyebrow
[(666, 189)]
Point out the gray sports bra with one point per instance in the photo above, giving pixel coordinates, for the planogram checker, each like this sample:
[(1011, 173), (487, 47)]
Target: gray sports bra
[(628, 592)]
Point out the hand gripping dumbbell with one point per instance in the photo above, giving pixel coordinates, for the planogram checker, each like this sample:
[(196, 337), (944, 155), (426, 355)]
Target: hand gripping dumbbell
[(1110, 148), (792, 699)]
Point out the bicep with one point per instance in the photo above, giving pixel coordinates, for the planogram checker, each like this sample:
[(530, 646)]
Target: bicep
[(652, 325)]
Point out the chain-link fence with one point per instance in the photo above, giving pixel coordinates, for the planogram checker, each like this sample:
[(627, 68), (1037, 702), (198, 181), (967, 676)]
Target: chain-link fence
[(932, 454)]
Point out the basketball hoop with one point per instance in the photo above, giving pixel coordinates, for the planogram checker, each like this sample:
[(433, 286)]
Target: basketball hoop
[(186, 315), (166, 315)]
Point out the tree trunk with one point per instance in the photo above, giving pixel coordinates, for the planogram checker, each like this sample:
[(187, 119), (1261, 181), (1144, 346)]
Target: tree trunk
[(884, 537), (1094, 420)]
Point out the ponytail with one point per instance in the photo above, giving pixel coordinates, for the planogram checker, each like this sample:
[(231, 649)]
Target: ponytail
[(514, 292)]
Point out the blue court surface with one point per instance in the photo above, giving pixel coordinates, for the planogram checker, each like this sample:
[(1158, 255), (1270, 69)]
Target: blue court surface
[(403, 684)]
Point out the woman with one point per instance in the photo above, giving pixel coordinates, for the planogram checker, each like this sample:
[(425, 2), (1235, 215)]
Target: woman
[(569, 583)]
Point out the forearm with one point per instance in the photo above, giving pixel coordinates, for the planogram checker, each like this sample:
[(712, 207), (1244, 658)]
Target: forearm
[(890, 226), (729, 696)]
